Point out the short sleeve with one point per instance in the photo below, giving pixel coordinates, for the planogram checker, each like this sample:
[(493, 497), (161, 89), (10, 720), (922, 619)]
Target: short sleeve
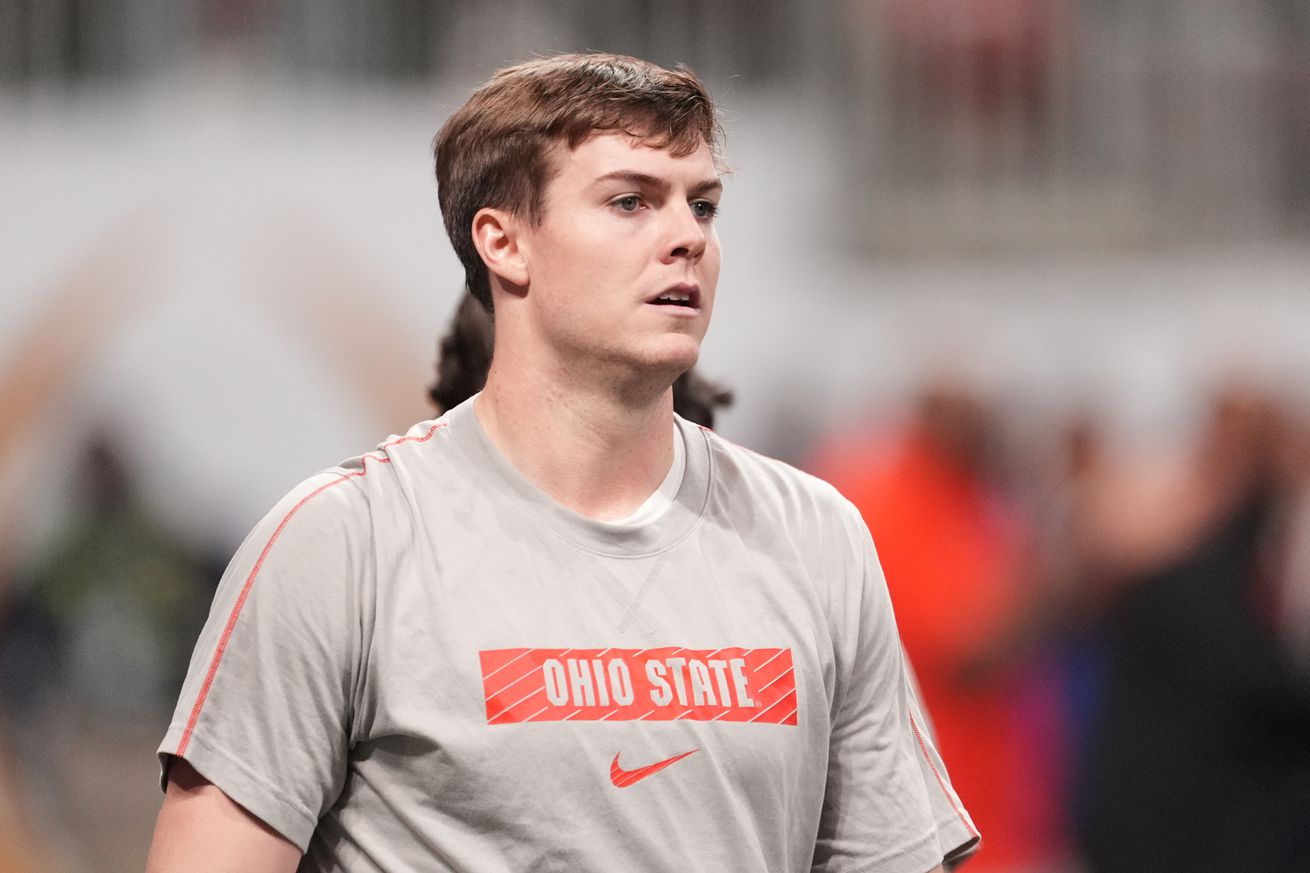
[(265, 711), (889, 806)]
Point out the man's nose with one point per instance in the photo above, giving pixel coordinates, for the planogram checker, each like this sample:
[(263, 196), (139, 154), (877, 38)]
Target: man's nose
[(688, 235)]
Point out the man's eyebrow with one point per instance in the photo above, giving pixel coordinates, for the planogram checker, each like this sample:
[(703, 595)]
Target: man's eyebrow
[(709, 186), (645, 180)]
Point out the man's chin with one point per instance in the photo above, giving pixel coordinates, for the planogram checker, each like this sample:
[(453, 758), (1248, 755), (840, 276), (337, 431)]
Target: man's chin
[(676, 359), (655, 369)]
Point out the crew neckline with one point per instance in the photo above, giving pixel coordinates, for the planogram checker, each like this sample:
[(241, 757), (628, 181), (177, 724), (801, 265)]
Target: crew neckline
[(662, 497), (667, 528)]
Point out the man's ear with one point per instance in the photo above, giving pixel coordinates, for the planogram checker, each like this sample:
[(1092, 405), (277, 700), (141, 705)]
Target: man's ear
[(496, 236)]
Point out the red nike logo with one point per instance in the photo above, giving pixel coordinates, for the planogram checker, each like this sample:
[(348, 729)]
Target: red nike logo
[(623, 778)]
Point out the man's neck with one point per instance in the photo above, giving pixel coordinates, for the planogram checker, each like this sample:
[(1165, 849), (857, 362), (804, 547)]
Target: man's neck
[(588, 447)]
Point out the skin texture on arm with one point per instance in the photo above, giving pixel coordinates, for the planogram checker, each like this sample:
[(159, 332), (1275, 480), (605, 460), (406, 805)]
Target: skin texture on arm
[(201, 830)]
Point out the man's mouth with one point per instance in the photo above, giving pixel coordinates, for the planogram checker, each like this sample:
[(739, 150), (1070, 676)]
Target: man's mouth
[(687, 296)]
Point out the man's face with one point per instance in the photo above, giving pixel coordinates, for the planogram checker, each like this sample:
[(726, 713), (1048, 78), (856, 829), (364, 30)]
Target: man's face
[(623, 266)]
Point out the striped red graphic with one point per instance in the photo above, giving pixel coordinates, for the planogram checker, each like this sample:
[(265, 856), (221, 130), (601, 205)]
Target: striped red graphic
[(665, 684)]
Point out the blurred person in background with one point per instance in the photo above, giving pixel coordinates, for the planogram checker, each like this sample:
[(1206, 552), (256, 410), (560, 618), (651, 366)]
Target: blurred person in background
[(1197, 755), (387, 679), (93, 640), (102, 620), (464, 357), (955, 544), (1292, 609)]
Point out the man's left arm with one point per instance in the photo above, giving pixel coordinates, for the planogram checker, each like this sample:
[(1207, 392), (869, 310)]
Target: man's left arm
[(889, 806)]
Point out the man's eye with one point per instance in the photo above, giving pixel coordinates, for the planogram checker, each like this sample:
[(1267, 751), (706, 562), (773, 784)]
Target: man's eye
[(704, 209), (631, 203)]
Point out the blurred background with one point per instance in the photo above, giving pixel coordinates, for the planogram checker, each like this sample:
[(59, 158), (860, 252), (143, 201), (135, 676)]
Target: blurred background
[(1029, 280)]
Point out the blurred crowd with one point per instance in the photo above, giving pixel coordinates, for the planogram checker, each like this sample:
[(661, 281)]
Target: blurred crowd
[(1111, 641)]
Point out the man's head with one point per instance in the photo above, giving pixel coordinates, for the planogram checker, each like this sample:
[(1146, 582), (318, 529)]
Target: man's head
[(496, 151)]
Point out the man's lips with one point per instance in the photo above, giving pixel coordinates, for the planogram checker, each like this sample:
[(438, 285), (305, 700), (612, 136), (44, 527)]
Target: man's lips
[(683, 296)]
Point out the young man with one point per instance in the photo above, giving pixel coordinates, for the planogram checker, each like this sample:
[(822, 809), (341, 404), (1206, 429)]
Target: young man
[(560, 628)]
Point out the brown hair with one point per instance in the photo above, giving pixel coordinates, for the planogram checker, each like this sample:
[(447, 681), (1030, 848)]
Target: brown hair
[(463, 355), (495, 150)]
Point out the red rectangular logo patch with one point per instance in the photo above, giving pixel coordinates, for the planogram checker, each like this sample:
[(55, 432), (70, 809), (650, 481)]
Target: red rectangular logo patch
[(667, 684)]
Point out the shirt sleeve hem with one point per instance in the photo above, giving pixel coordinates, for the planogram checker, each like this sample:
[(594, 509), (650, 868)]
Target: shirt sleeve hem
[(950, 840), (242, 786)]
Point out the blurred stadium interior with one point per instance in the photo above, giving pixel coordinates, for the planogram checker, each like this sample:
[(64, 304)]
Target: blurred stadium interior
[(1000, 231)]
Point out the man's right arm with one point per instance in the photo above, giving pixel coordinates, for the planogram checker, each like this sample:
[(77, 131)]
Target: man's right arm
[(257, 749), (201, 830)]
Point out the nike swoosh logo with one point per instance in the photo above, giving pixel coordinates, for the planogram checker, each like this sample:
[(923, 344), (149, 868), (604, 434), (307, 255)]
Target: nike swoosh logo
[(623, 778)]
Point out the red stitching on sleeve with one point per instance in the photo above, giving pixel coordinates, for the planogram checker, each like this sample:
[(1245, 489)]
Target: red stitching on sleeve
[(254, 571), (923, 747), (411, 439)]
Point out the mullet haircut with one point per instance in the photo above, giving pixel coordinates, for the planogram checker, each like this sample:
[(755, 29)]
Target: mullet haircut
[(495, 150)]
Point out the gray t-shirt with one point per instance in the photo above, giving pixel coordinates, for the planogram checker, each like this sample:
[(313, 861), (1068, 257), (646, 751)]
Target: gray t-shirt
[(418, 661)]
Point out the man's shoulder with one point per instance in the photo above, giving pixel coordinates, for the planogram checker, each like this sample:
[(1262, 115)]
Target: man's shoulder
[(422, 442), (360, 483), (744, 472), (779, 509)]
